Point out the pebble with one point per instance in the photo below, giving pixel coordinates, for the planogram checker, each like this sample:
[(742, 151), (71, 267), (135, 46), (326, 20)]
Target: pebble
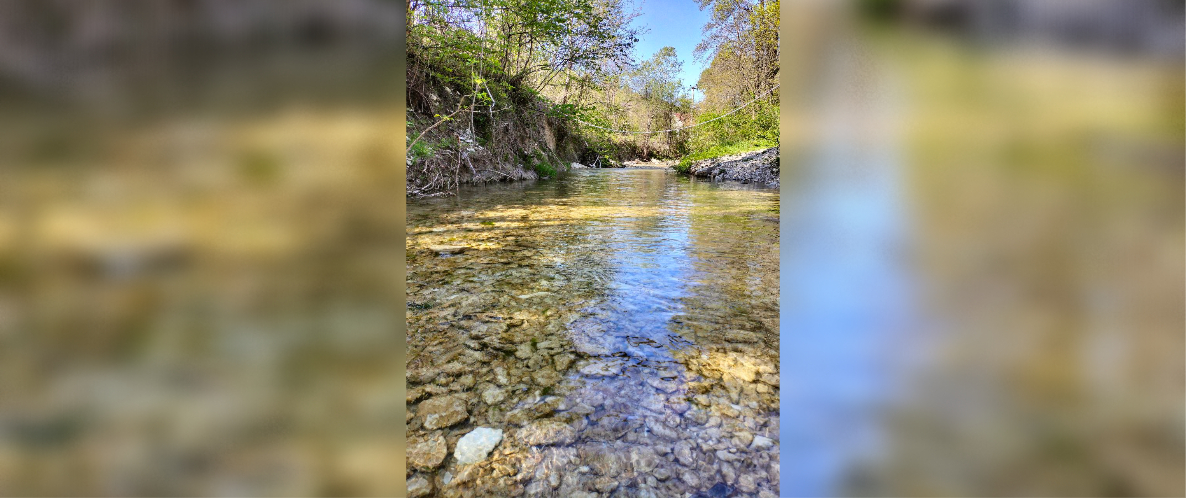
[(546, 377), (447, 250), (443, 411), (680, 407), (546, 433), (563, 361), (643, 458), (728, 457), (697, 416), (746, 483), (683, 453), (601, 369), (476, 445), (524, 351), (500, 376), (761, 443), (743, 438), (742, 336), (660, 429), (419, 487), (667, 386), (493, 396), (427, 452), (605, 484)]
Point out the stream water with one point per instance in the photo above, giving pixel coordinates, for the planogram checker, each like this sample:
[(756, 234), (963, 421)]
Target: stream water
[(619, 326)]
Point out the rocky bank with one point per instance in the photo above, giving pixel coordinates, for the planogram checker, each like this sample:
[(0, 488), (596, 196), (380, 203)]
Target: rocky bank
[(757, 167)]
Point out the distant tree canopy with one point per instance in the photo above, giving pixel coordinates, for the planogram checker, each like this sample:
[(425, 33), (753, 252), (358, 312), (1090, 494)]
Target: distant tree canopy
[(741, 43), (576, 58)]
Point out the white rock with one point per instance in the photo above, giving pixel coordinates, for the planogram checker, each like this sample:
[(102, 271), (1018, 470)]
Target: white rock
[(761, 443), (474, 447)]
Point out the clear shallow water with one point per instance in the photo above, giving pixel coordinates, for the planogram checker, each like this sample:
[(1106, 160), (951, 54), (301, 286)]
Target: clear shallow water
[(620, 327)]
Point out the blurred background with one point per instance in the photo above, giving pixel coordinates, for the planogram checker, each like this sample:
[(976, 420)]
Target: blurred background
[(201, 256), (983, 248)]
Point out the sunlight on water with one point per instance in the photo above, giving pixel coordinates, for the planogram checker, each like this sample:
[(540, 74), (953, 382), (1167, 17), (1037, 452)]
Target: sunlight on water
[(618, 325)]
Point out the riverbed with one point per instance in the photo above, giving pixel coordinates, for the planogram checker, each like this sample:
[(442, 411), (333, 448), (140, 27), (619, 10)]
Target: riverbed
[(620, 327)]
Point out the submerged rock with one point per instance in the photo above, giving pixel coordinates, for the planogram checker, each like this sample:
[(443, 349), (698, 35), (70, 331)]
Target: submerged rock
[(761, 443), (447, 250), (546, 433), (474, 447), (742, 336), (605, 484), (718, 490), (428, 452), (419, 487), (563, 361), (493, 395), (546, 377), (443, 411), (601, 369)]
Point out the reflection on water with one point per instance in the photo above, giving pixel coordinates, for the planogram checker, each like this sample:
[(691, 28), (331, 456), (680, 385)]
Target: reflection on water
[(618, 326), (982, 284)]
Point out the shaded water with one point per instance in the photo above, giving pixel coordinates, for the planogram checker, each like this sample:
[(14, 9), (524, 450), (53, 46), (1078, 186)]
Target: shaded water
[(620, 327)]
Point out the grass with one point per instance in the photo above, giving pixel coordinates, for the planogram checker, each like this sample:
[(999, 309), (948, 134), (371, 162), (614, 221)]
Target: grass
[(544, 170), (685, 163)]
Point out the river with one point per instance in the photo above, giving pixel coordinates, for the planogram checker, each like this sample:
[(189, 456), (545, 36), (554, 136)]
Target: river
[(620, 327)]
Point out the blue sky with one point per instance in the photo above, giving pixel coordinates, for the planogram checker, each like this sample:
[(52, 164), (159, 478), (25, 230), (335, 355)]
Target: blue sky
[(674, 23)]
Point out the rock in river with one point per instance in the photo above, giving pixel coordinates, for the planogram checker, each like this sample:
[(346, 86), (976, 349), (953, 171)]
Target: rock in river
[(474, 447), (447, 250), (493, 396), (419, 487), (547, 432), (546, 377), (427, 453), (761, 443), (742, 336), (443, 411)]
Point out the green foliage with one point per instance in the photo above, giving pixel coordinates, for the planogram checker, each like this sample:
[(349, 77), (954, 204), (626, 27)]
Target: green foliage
[(544, 170), (423, 149)]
